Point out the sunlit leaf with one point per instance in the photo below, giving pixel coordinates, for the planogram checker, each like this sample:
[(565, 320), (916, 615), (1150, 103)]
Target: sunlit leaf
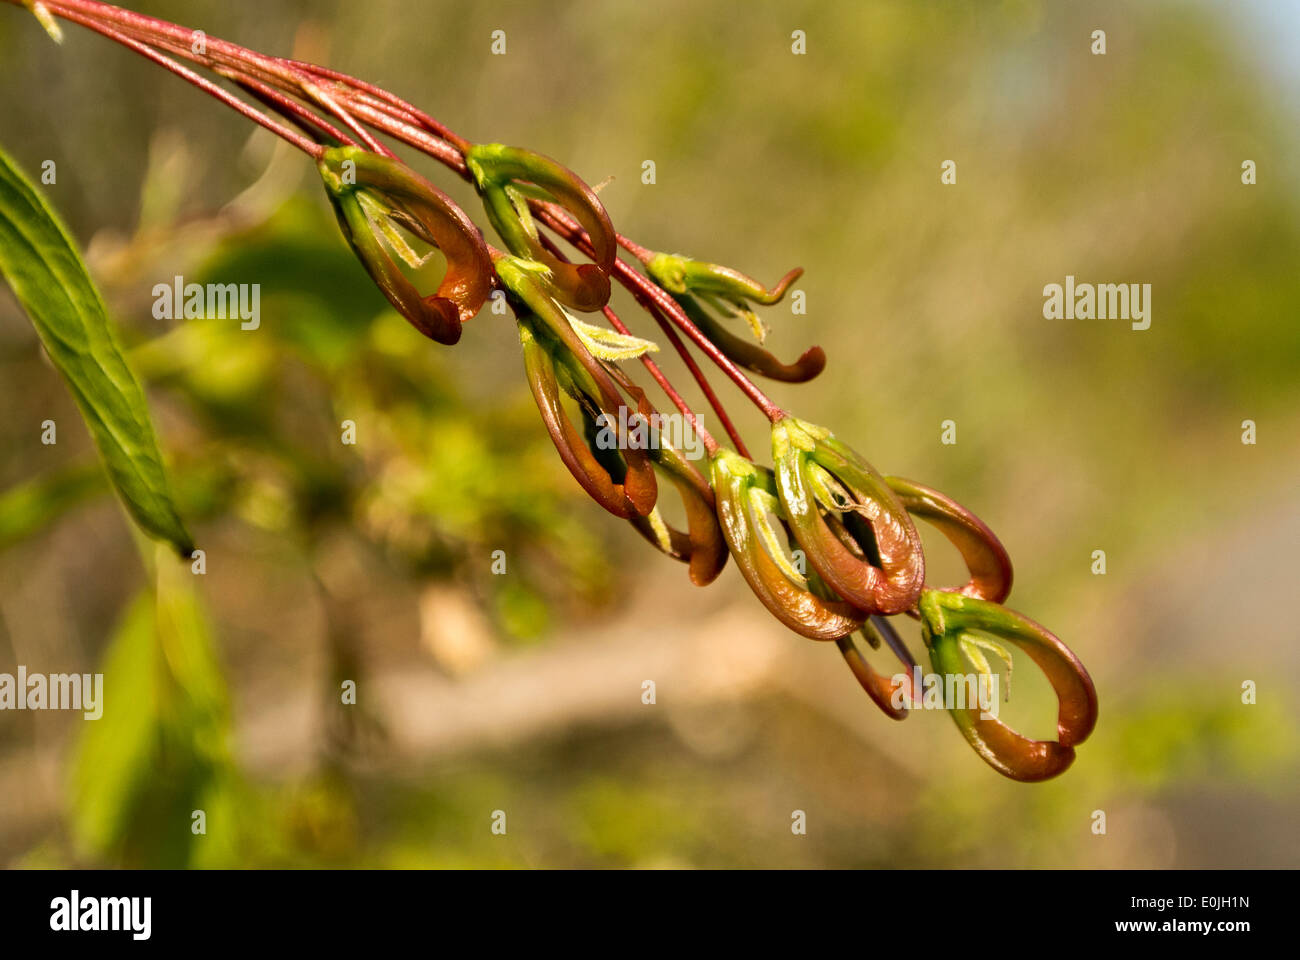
[(46, 273)]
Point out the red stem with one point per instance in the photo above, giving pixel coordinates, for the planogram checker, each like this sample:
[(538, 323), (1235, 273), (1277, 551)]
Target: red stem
[(310, 147), (230, 60), (313, 92), (647, 291), (290, 109), (710, 444), (412, 136), (701, 380), (378, 93), (390, 114), (659, 376), (685, 358)]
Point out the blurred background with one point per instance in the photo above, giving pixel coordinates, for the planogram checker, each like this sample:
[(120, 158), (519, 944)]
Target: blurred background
[(521, 692)]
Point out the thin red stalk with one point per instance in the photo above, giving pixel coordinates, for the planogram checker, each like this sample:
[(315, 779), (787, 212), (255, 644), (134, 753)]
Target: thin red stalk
[(180, 37), (291, 109), (636, 283), (378, 93), (397, 118), (294, 76), (354, 96), (313, 92), (634, 248), (180, 40), (710, 444), (309, 147), (390, 114), (412, 136), (226, 58), (701, 380)]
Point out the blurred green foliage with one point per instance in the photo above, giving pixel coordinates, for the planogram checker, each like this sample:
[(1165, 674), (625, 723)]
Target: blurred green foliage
[(162, 751)]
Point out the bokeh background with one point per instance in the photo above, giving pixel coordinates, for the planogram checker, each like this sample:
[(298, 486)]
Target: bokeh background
[(522, 692)]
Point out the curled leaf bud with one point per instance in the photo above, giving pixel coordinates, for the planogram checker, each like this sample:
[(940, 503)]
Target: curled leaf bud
[(951, 623), (506, 177), (732, 293), (678, 274), (986, 558), (606, 483), (370, 194), (855, 532), (747, 354), (556, 358), (746, 499)]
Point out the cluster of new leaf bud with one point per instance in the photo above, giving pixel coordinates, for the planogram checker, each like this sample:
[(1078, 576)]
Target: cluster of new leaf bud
[(819, 502), (853, 526)]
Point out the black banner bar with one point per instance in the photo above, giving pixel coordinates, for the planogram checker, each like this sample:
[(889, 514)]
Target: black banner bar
[(330, 909)]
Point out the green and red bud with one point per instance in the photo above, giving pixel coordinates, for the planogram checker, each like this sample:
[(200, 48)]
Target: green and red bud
[(678, 274), (506, 177), (746, 499), (748, 354), (555, 359), (364, 186), (854, 530), (952, 620), (732, 292), (621, 490)]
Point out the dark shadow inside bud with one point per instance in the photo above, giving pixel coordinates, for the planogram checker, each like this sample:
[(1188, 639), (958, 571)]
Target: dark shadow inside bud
[(701, 546), (592, 432), (584, 378), (614, 440), (569, 442), (855, 531)]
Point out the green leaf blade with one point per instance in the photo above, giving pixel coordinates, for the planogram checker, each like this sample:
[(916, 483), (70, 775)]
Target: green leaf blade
[(42, 266)]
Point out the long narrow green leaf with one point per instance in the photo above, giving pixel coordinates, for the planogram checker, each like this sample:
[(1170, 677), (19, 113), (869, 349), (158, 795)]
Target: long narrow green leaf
[(46, 273)]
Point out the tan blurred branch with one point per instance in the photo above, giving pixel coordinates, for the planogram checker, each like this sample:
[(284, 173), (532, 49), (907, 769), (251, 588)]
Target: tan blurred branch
[(733, 655)]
